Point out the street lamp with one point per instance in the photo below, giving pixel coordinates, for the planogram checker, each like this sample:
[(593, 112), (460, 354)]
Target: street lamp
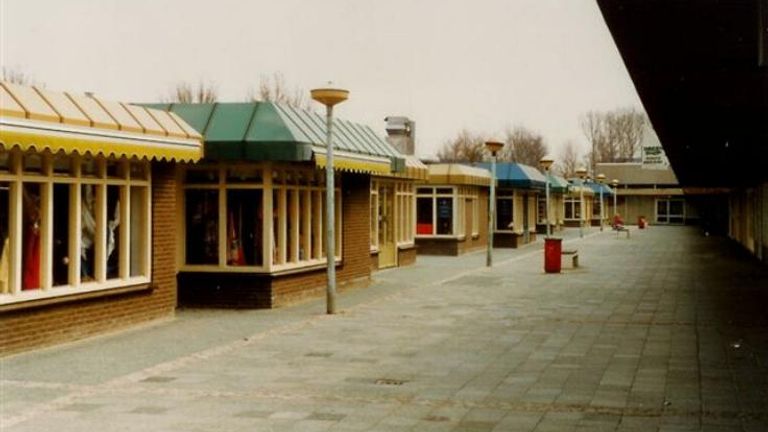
[(545, 163), (493, 147), (601, 180), (330, 97), (582, 173), (615, 184)]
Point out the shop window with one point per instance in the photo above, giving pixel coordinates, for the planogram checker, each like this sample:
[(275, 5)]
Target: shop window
[(61, 241), (68, 222), (374, 210), (475, 216), (113, 232), (294, 234), (444, 216), (32, 224), (244, 227), (202, 222), (572, 209), (33, 163), (541, 210), (424, 215), (5, 162), (505, 214), (88, 226), (89, 167)]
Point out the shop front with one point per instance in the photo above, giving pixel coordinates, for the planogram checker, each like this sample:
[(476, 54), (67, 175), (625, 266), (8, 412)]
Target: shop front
[(87, 190), (519, 187), (452, 210), (578, 203), (393, 216), (253, 212), (558, 188)]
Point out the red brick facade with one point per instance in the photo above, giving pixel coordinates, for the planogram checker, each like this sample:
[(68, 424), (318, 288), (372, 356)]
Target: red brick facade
[(67, 319)]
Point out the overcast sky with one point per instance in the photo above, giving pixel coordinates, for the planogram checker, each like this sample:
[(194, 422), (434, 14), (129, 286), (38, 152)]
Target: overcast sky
[(484, 65)]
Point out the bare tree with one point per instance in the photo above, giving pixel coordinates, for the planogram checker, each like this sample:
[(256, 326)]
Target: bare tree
[(465, 147), (274, 89), (523, 146), (614, 136), (184, 92), (568, 161)]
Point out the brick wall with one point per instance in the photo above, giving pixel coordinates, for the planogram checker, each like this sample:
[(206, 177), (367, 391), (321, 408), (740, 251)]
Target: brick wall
[(355, 268), (69, 320), (406, 256)]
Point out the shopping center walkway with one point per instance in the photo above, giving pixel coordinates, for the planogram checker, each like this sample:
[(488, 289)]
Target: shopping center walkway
[(665, 331)]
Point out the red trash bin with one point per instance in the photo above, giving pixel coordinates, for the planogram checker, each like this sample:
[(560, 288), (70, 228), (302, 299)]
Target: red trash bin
[(553, 249), (641, 222)]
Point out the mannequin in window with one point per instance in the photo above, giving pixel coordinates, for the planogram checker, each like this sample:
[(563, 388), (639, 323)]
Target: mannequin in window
[(31, 264), (88, 231), (112, 224)]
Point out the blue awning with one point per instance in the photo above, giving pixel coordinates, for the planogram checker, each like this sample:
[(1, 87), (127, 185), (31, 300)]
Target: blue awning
[(518, 176)]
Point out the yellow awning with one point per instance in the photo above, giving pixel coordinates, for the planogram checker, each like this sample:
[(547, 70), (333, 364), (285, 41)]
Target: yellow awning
[(457, 174), (414, 170), (32, 118), (352, 162)]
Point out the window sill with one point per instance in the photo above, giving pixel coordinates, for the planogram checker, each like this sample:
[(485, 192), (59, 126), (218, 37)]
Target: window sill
[(48, 300), (276, 270)]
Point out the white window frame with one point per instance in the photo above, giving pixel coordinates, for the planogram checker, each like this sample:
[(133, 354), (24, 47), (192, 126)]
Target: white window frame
[(279, 180), (458, 197), (15, 177)]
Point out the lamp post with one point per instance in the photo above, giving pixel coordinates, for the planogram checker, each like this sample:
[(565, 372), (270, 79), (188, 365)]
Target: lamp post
[(582, 173), (601, 180), (615, 184), (493, 147), (330, 97), (545, 163)]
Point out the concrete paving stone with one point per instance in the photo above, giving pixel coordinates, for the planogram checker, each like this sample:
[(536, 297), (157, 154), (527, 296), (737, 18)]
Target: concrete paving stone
[(547, 346)]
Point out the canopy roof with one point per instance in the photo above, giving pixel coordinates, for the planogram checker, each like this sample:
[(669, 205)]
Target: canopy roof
[(515, 175), (457, 174), (700, 69), (259, 131), (558, 184), (40, 119), (597, 187)]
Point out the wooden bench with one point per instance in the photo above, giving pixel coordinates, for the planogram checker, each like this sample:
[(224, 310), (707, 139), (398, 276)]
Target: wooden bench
[(574, 256), (621, 229)]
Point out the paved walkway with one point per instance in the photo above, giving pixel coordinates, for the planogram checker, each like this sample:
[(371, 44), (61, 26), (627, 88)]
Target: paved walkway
[(665, 331)]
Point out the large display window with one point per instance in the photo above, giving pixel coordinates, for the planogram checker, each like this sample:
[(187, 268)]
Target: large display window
[(71, 224), (441, 211), (255, 217)]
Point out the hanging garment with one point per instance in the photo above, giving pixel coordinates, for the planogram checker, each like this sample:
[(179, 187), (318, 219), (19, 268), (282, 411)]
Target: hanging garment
[(235, 245), (5, 258), (31, 278)]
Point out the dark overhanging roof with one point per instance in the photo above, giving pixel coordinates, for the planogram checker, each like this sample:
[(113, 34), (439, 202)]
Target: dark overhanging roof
[(699, 67)]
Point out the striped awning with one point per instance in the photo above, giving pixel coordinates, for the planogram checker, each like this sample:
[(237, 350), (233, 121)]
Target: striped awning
[(457, 174), (37, 119), (414, 170)]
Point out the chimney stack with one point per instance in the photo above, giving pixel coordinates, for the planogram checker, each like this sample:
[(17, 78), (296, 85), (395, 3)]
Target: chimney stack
[(401, 134)]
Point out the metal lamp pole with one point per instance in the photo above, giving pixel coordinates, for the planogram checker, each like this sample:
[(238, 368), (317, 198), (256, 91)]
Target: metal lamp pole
[(582, 173), (601, 180), (493, 147), (545, 163), (330, 97), (615, 184)]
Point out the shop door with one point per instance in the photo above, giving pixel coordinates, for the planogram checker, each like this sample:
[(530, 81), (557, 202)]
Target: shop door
[(670, 211), (387, 244)]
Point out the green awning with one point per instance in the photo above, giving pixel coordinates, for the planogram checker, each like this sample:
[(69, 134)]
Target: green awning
[(266, 131)]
